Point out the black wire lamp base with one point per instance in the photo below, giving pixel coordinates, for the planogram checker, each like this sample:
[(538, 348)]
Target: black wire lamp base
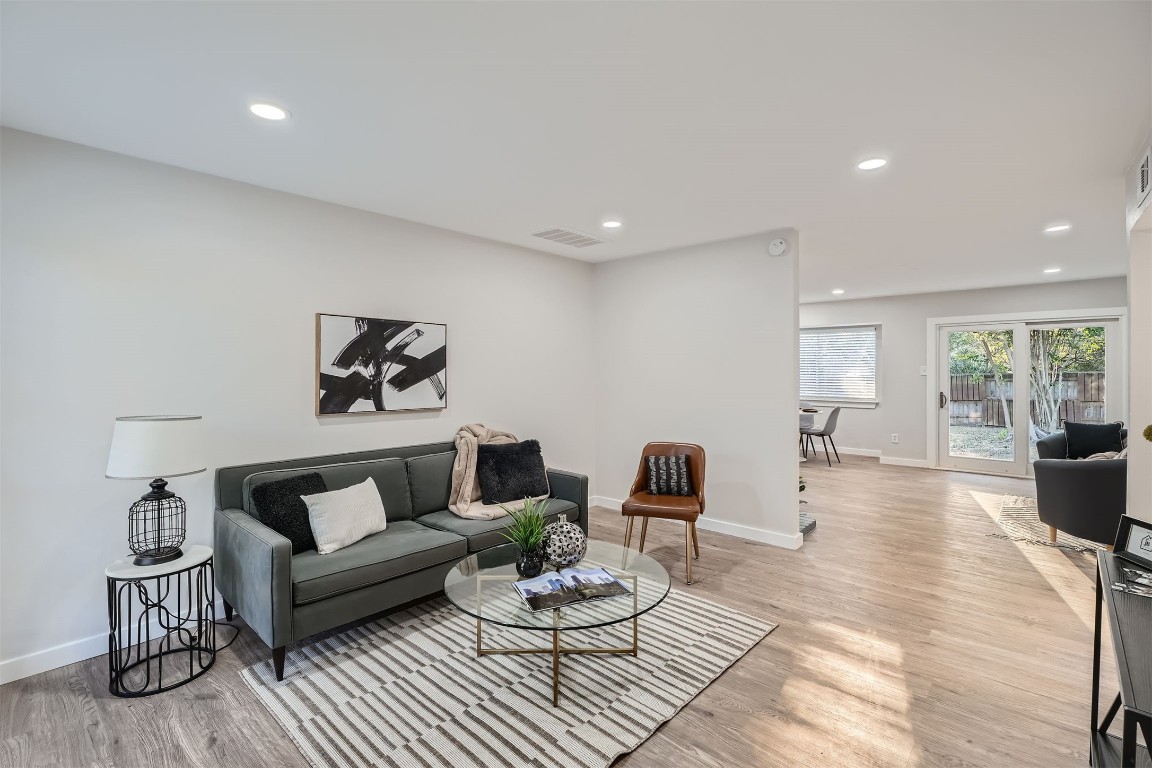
[(157, 525)]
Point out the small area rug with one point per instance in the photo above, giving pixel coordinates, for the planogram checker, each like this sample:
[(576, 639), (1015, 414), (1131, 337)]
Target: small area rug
[(1020, 522), (408, 690)]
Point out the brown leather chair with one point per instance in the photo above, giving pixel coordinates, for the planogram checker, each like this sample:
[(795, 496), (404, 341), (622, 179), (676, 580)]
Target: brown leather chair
[(640, 503)]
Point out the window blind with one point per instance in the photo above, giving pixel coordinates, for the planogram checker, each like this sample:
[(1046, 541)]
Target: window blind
[(838, 363)]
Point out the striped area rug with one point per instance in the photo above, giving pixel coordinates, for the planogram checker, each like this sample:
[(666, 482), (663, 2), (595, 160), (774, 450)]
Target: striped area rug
[(408, 690), (1020, 522)]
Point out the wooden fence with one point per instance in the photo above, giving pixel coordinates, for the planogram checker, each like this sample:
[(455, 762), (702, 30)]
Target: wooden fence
[(976, 401)]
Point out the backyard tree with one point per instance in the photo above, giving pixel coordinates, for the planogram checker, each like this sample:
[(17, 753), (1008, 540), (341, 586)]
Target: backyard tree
[(1053, 353)]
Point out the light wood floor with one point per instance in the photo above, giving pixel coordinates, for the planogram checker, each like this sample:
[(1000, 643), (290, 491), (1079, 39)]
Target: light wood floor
[(908, 637)]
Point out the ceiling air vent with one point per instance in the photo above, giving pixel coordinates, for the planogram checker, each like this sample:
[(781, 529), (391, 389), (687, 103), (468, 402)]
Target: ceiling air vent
[(568, 237)]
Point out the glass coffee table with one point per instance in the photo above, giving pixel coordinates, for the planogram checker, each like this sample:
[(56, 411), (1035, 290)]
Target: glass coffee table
[(481, 586)]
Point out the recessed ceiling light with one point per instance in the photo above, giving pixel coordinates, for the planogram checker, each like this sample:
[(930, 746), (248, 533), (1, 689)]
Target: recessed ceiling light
[(872, 164), (1058, 228), (612, 224), (837, 291), (1051, 270), (269, 111)]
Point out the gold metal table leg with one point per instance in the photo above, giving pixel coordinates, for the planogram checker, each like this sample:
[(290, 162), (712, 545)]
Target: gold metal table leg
[(555, 658)]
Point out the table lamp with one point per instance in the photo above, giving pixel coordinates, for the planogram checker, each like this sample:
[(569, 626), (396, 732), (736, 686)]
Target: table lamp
[(156, 447)]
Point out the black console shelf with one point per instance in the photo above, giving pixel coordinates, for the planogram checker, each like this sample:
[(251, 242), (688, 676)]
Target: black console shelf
[(1130, 621)]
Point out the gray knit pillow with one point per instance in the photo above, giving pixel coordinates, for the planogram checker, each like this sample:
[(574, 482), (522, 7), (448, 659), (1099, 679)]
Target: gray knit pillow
[(668, 476)]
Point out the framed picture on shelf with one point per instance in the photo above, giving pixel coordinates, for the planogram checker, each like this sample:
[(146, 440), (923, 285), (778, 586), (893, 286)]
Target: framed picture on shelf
[(371, 365), (1134, 541)]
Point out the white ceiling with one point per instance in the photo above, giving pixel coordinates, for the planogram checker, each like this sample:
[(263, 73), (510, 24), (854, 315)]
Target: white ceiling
[(691, 121)]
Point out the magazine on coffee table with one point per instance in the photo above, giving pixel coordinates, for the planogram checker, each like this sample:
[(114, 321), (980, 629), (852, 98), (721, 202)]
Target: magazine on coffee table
[(568, 587)]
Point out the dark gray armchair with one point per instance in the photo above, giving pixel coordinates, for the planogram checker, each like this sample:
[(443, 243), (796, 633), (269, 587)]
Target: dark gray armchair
[(1081, 498)]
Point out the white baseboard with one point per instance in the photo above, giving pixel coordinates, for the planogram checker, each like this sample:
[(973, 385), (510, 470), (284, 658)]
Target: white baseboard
[(604, 501), (922, 463), (859, 452), (67, 653), (51, 658), (761, 535)]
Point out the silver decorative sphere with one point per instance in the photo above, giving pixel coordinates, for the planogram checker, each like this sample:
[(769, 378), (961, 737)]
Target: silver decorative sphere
[(564, 544)]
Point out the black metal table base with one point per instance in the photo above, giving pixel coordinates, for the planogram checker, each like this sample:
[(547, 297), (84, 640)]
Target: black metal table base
[(161, 630), (1106, 750)]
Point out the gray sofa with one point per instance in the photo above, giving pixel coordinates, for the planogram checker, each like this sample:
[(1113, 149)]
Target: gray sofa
[(285, 597), (1081, 498)]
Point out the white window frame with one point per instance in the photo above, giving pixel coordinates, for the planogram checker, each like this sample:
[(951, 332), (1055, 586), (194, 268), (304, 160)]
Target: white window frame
[(849, 402)]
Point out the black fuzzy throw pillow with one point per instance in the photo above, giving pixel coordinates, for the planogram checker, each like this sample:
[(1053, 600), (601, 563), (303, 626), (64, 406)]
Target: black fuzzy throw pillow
[(510, 472), (279, 506), (668, 476), (1085, 440)]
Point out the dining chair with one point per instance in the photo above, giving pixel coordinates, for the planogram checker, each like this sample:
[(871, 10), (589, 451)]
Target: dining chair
[(641, 503), (824, 432)]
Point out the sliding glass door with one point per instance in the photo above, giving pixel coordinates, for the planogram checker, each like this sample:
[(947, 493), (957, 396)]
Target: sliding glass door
[(979, 424), (1005, 386)]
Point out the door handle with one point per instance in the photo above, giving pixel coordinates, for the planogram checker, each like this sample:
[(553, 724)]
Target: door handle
[(943, 400)]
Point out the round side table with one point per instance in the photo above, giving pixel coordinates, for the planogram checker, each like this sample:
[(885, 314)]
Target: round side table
[(161, 622)]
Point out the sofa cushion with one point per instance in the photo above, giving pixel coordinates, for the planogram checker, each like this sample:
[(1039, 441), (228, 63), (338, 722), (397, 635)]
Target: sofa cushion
[(405, 547), (430, 482), (390, 476), (482, 534), (1087, 439)]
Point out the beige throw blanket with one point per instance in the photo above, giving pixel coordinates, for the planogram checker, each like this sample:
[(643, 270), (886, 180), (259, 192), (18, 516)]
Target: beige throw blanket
[(465, 495)]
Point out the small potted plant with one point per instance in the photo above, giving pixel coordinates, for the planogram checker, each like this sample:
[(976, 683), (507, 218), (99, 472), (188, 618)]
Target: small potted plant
[(527, 533)]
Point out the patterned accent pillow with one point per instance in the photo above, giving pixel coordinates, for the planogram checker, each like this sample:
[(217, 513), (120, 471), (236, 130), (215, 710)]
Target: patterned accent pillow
[(668, 476)]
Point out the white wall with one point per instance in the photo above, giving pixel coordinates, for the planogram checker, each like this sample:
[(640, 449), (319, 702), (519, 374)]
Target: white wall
[(699, 345), (1140, 369), (136, 288), (903, 321)]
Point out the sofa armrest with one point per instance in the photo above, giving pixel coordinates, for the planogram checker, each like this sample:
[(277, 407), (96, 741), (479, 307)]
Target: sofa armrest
[(254, 574), (573, 487), (1083, 498)]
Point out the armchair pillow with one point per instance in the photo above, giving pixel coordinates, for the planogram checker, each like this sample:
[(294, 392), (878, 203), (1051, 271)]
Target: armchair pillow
[(343, 517), (668, 476), (278, 504), (510, 472), (1085, 440)]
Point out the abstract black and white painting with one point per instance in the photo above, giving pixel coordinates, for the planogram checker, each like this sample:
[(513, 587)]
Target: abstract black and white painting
[(365, 365)]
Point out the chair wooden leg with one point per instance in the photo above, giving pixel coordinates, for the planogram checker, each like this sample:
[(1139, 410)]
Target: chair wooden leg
[(643, 533), (826, 454), (1052, 534), (628, 531), (834, 449), (688, 550), (695, 541)]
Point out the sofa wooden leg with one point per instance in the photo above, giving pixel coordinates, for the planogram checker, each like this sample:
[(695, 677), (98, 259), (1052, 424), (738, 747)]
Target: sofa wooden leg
[(1052, 534), (227, 611), (643, 533), (278, 661)]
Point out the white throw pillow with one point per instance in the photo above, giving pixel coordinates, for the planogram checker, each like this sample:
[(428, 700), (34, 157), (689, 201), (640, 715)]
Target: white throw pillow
[(343, 517)]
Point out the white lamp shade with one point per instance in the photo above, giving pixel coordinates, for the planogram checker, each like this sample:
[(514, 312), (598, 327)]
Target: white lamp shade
[(147, 447)]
